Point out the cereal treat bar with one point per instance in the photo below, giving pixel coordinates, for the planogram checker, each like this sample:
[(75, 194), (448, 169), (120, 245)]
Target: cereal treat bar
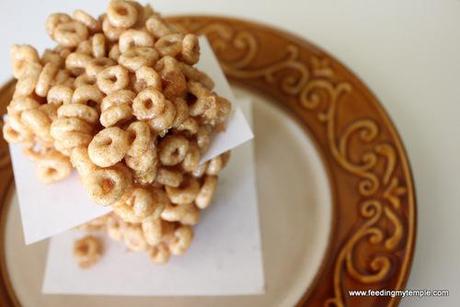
[(119, 100)]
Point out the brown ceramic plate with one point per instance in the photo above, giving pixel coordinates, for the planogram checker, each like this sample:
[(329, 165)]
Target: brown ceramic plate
[(336, 194)]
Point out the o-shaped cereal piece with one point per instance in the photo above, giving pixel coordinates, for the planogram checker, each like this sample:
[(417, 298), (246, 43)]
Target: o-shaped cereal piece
[(157, 27), (135, 205), (113, 79), (84, 47), (81, 111), (170, 45), (54, 20), (139, 138), (80, 160), (192, 158), (114, 52), (121, 14), (28, 81), (89, 95), (155, 229), (37, 121), (107, 185), (146, 161), (159, 253), (187, 214), (112, 33), (117, 98), (204, 198), (51, 56), (173, 149), (165, 120), (87, 251), (95, 66), (169, 177), (77, 62), (190, 49), (181, 111), (134, 38), (21, 103), (116, 115), (61, 126), (86, 19), (216, 164), (21, 55), (136, 57), (108, 147), (183, 237), (45, 79), (53, 167), (194, 74), (11, 135), (98, 45), (185, 193), (70, 34), (189, 126), (147, 77), (148, 104), (133, 237), (84, 79)]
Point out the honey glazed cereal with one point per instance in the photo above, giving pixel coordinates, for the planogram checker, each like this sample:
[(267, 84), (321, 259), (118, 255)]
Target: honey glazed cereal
[(119, 100)]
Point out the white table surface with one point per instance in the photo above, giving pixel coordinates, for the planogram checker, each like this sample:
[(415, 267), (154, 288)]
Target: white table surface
[(407, 52)]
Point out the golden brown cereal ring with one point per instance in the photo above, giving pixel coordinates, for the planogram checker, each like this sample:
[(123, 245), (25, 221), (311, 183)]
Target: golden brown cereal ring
[(50, 110), (157, 27), (86, 19), (147, 161), (136, 57), (185, 193), (95, 66), (133, 237), (115, 227), (153, 228), (190, 49), (174, 82), (159, 253), (45, 79), (187, 214), (113, 79), (148, 104), (61, 126), (70, 34), (21, 103), (85, 47), (146, 177), (51, 56), (21, 56), (173, 149), (29, 78), (87, 251), (38, 122), (189, 127), (204, 198), (140, 138), (181, 111), (165, 120), (112, 33), (72, 139), (53, 167), (117, 98), (87, 94), (54, 20), (218, 163), (183, 237), (77, 62), (107, 185), (81, 111), (147, 77), (59, 94), (108, 146), (114, 52), (169, 177), (81, 161), (63, 77), (203, 138), (135, 205), (134, 38), (194, 74), (83, 80), (98, 45), (121, 13), (116, 115), (192, 158), (170, 44), (15, 121), (11, 135)]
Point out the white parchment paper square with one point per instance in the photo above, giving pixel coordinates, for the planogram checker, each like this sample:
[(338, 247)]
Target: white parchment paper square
[(225, 257), (47, 210)]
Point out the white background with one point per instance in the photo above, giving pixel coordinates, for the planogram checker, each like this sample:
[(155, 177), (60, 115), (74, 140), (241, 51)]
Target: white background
[(407, 52)]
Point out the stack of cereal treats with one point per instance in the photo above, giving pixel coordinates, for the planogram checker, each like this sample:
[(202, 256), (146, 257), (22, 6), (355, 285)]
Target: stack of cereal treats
[(119, 100)]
